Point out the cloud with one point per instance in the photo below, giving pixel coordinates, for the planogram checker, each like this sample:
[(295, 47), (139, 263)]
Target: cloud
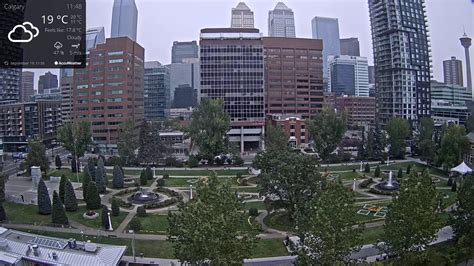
[(31, 28), (24, 29)]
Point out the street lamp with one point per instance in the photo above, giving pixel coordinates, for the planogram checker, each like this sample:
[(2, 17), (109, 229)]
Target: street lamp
[(133, 245), (110, 222)]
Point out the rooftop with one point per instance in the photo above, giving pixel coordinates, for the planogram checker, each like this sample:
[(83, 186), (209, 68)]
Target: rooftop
[(16, 246)]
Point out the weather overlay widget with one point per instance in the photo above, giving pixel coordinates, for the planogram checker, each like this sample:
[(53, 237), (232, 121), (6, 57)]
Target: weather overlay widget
[(42, 33)]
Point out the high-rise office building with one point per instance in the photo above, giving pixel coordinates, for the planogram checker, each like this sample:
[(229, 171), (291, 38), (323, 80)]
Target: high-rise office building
[(371, 81), (47, 81), (359, 111), (232, 69), (281, 22), (327, 29), (94, 36), (124, 19), (348, 75), (27, 85), (109, 91), (183, 51), (293, 76), (452, 70), (184, 97), (242, 17), (184, 74), (10, 85), (157, 91), (402, 59), (451, 93), (350, 46)]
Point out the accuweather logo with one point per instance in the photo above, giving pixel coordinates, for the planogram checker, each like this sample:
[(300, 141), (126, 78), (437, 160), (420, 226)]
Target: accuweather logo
[(27, 29)]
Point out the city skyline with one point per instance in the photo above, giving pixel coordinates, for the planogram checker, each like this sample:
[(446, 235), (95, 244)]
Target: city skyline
[(353, 18)]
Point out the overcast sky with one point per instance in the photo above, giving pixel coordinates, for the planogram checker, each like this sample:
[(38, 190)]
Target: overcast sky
[(160, 22)]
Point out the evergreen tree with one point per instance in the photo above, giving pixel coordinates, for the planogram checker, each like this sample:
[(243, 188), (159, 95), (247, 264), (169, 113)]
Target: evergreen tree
[(143, 178), (100, 176), (408, 169), (115, 207), (450, 182), (370, 144), (400, 173), (379, 142), (75, 165), (367, 168), (3, 215), (44, 202), (117, 181), (91, 165), (57, 162), (105, 217), (93, 197), (59, 215), (62, 183), (361, 149), (70, 201), (86, 179), (412, 222), (377, 171), (149, 173), (454, 186), (135, 224)]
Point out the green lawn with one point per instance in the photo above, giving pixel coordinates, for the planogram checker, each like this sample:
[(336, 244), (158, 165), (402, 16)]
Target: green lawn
[(349, 175), (68, 173), (95, 223), (24, 214), (451, 196), (279, 221), (344, 167), (367, 218), (179, 182), (371, 235), (164, 249), (188, 172), (154, 223), (255, 204), (247, 189)]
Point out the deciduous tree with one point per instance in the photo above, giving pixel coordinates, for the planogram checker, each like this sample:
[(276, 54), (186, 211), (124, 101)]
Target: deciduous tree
[(327, 130), (209, 229), (398, 130), (37, 156), (454, 145), (128, 141), (75, 137), (275, 138), (464, 214)]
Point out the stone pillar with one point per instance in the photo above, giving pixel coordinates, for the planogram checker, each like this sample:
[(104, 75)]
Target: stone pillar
[(242, 142), (35, 177)]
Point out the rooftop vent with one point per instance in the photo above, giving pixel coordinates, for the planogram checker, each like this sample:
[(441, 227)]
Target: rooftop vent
[(90, 247), (3, 244)]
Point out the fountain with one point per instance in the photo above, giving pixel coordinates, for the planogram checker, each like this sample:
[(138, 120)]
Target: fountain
[(390, 185), (144, 197)]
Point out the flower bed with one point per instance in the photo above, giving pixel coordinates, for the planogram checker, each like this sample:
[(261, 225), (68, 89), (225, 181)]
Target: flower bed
[(366, 183), (90, 215), (161, 204)]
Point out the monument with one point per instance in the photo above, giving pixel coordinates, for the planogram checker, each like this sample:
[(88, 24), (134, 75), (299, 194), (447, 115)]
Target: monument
[(35, 177)]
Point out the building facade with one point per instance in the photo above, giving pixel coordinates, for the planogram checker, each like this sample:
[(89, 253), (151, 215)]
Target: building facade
[(327, 29), (294, 127), (47, 81), (455, 95), (22, 122), (184, 97), (94, 36), (445, 113), (27, 85), (232, 69), (281, 22), (360, 111), (452, 71), (157, 91), (10, 85), (293, 76), (242, 17), (402, 59), (109, 91), (184, 74), (348, 75), (182, 51), (124, 19), (350, 46)]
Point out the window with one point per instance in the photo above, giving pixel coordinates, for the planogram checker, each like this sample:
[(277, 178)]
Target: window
[(113, 61)]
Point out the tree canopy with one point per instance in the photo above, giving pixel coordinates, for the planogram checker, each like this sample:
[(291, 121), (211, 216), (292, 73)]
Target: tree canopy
[(327, 130), (275, 138), (37, 156), (128, 141), (398, 130), (75, 137), (454, 144)]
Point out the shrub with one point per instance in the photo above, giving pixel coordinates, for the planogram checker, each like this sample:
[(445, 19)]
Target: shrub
[(115, 207), (3, 215), (238, 161), (62, 183), (454, 186), (408, 169), (57, 162), (219, 161), (70, 201), (86, 179), (169, 192), (135, 224), (377, 171), (450, 182), (141, 211), (166, 176), (193, 161), (100, 176), (75, 167), (58, 215), (161, 204), (366, 183), (44, 202), (400, 173), (105, 217), (143, 178), (353, 170), (149, 173), (160, 182), (91, 164), (117, 181), (171, 161), (253, 212)]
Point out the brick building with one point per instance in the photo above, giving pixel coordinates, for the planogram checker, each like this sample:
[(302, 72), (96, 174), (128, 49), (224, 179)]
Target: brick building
[(360, 111)]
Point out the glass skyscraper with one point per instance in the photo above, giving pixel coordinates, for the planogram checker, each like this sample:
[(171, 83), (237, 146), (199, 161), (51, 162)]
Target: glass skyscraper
[(327, 29), (242, 17), (94, 36), (181, 51), (124, 19), (157, 91), (402, 59), (348, 75), (281, 22)]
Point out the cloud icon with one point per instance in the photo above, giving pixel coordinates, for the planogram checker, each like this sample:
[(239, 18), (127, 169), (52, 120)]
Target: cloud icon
[(21, 35), (31, 28)]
